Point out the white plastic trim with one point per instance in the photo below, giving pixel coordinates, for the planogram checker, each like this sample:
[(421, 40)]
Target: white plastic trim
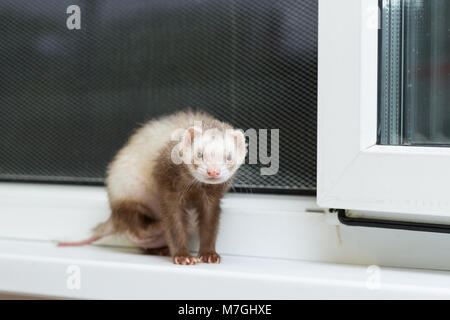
[(269, 226), (40, 269), (353, 172)]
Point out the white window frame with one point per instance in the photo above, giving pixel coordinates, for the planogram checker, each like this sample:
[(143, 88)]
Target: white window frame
[(355, 173), (280, 229), (258, 225)]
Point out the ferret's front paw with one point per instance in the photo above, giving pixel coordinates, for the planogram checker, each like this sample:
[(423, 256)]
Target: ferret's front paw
[(211, 257), (184, 260)]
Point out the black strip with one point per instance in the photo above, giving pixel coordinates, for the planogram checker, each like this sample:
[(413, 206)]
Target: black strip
[(55, 180), (276, 191), (240, 309), (391, 224)]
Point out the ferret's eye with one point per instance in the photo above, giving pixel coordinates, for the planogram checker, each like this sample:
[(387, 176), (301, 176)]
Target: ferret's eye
[(200, 155), (229, 157)]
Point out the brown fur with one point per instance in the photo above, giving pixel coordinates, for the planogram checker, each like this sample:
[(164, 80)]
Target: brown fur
[(133, 217), (180, 194)]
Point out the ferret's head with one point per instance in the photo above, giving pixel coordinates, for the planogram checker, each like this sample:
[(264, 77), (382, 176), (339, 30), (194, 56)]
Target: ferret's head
[(213, 156)]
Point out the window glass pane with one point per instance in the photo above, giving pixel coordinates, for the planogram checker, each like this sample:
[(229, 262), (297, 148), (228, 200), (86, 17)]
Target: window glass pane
[(415, 73)]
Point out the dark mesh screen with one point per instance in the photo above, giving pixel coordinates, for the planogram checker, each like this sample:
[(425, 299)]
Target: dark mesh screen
[(69, 99)]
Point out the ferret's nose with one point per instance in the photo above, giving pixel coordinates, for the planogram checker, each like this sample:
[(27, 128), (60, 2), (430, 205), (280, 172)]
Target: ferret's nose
[(213, 172)]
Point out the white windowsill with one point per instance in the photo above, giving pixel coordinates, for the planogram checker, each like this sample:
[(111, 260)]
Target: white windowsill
[(272, 247), (40, 268)]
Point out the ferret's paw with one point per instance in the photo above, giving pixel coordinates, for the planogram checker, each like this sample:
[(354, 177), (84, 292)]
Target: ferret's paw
[(208, 258), (184, 260)]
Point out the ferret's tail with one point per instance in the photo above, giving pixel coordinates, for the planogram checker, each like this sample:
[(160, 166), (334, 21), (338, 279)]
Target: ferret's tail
[(102, 230)]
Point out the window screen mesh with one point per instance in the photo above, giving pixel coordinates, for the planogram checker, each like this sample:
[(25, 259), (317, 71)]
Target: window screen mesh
[(69, 99)]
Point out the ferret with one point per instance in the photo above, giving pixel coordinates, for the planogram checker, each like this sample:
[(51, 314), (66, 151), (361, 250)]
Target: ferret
[(168, 180)]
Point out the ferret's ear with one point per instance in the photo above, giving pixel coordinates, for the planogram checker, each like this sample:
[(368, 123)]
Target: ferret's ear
[(191, 134), (239, 137)]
